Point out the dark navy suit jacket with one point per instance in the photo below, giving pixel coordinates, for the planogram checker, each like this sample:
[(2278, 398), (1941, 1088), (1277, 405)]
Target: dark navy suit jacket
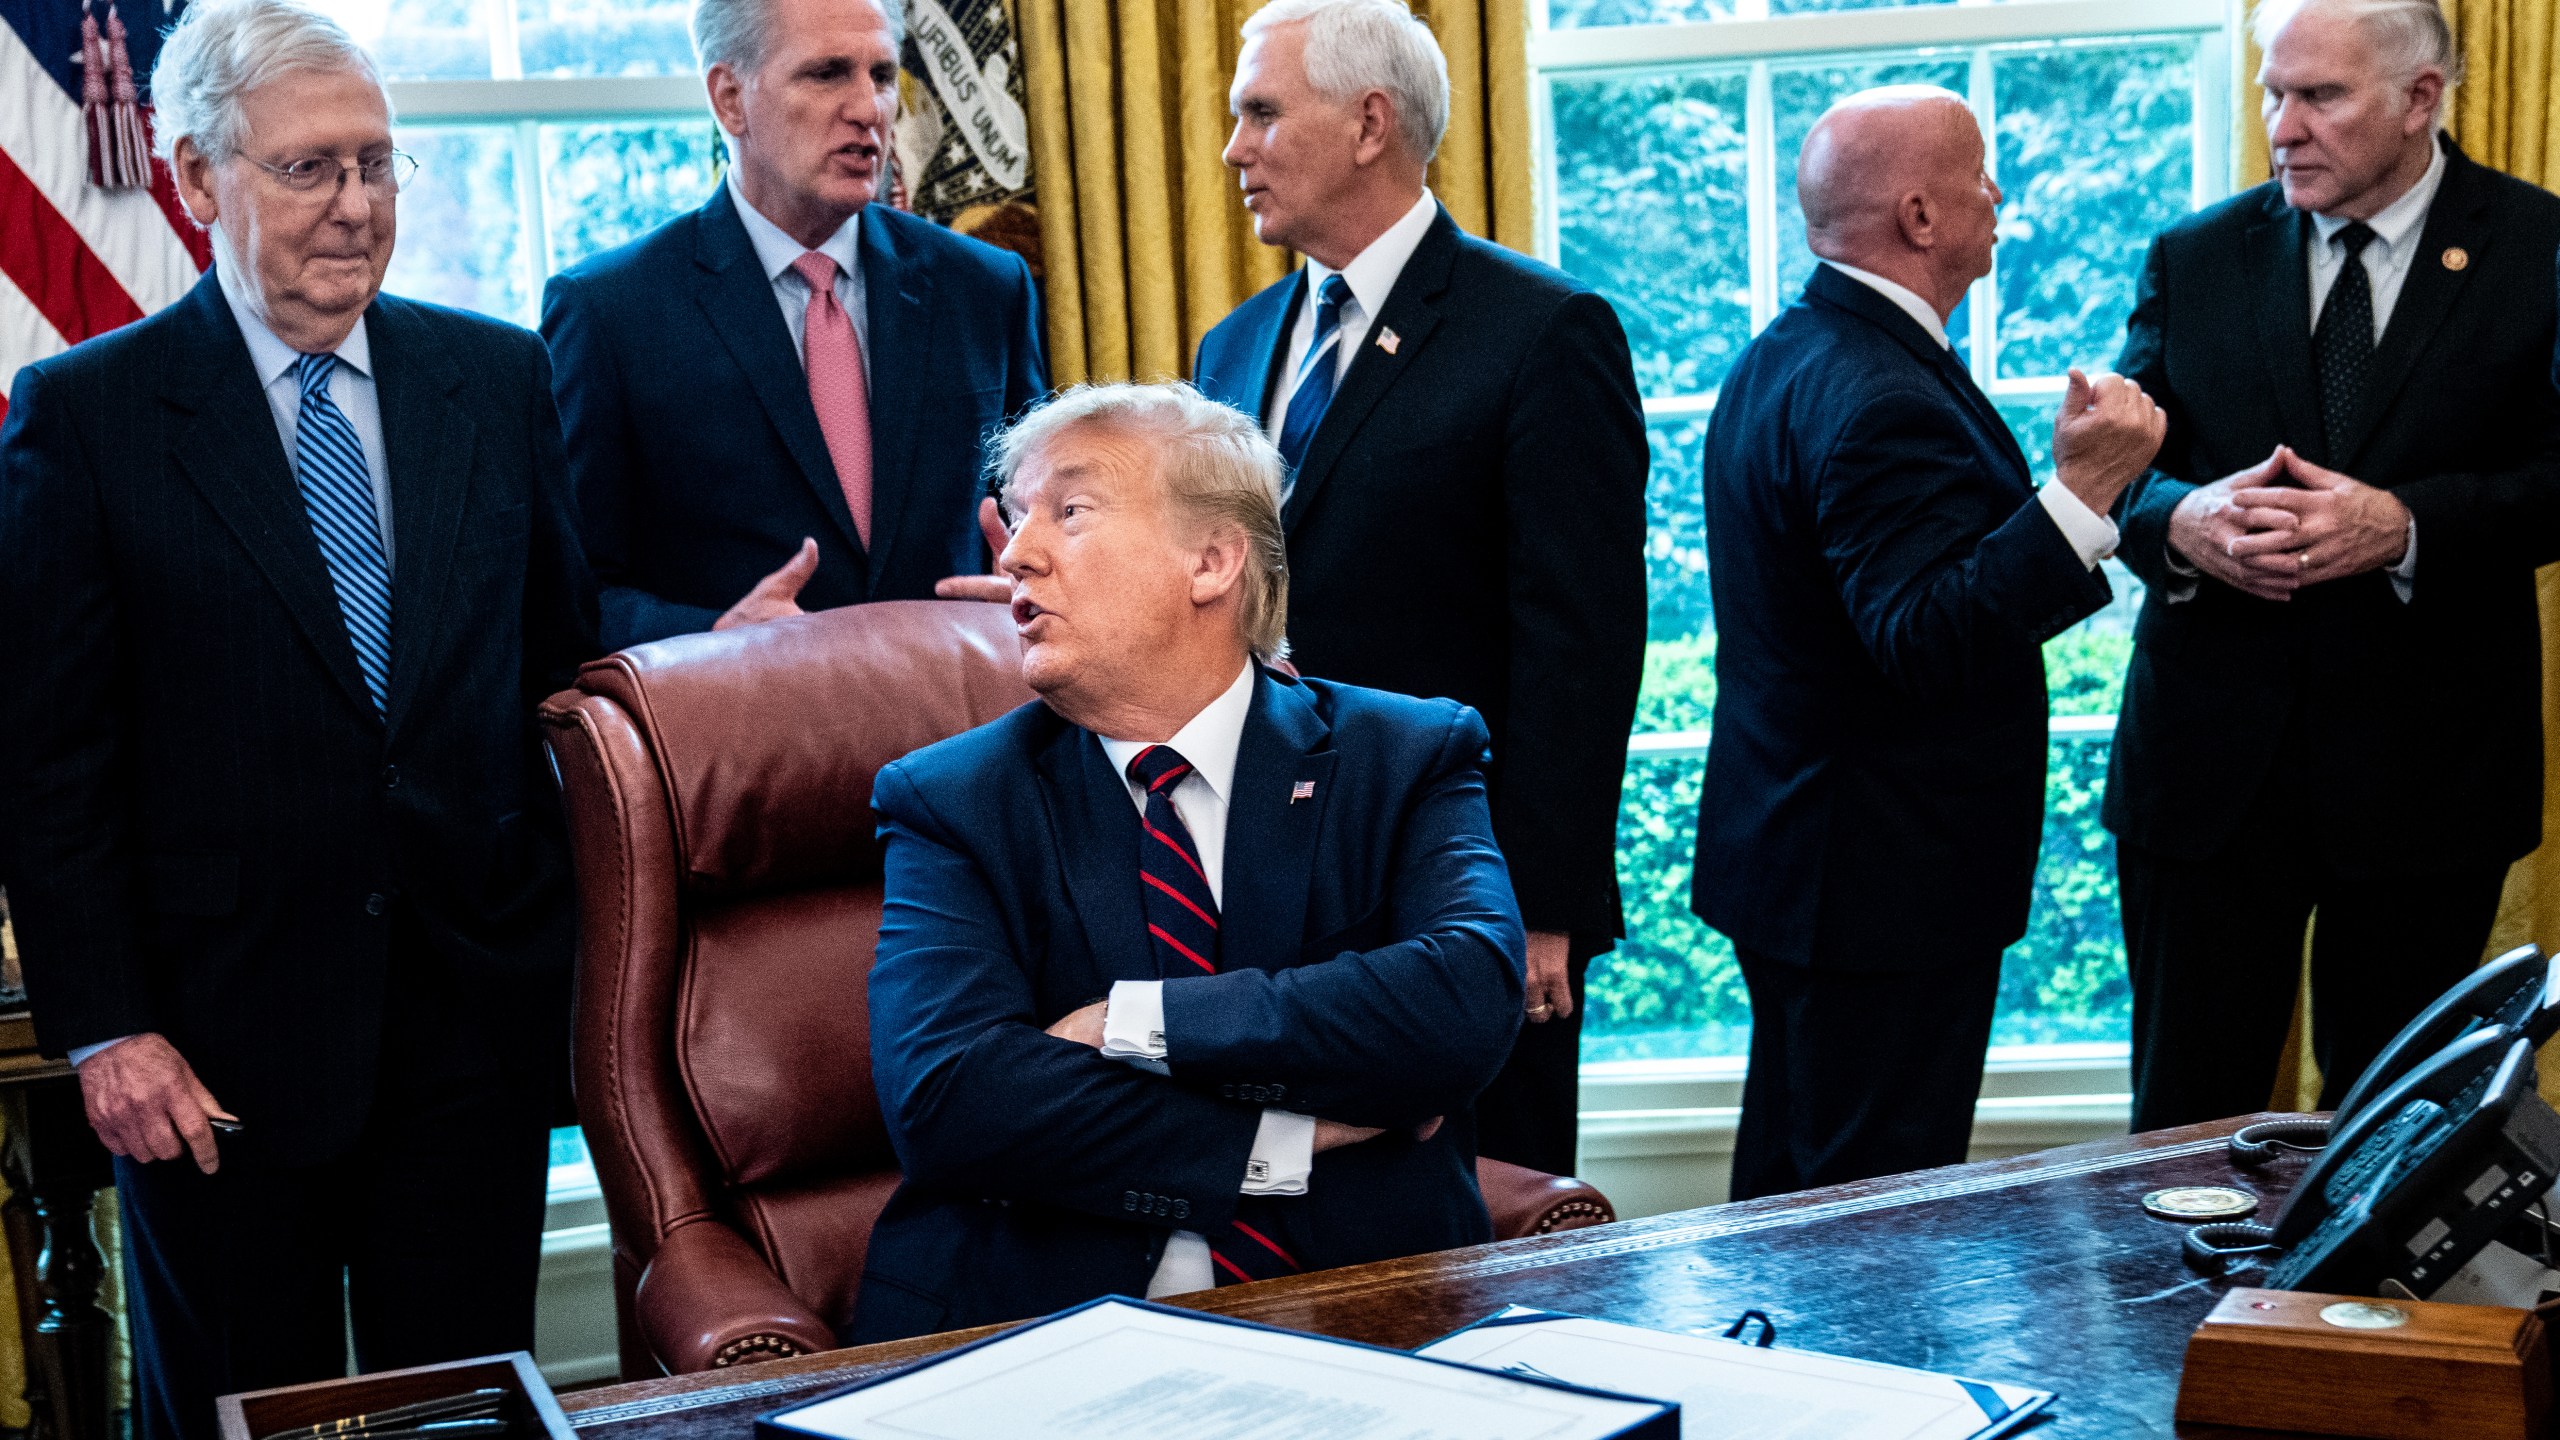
[(697, 457), (1371, 974), (1884, 579), (1469, 522), (205, 826)]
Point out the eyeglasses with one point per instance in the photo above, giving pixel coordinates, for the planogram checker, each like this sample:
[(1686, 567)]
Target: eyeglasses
[(313, 174)]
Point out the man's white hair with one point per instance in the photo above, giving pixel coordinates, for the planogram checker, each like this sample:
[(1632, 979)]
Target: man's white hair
[(221, 50), (1355, 46), (2407, 35), (1220, 472), (735, 32)]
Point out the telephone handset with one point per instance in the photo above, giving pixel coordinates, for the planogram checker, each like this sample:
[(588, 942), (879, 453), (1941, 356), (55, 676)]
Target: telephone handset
[(2518, 992), (2431, 1185), (2361, 1144)]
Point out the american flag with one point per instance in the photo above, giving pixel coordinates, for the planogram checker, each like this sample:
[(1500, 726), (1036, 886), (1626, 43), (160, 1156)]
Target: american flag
[(83, 248)]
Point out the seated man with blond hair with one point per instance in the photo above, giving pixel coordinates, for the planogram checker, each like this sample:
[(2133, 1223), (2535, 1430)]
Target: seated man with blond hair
[(1182, 966)]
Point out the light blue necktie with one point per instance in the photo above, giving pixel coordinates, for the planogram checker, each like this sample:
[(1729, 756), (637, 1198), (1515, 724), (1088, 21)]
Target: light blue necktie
[(1316, 375), (337, 493)]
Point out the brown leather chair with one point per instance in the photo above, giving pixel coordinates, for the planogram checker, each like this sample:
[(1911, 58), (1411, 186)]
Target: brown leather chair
[(718, 791)]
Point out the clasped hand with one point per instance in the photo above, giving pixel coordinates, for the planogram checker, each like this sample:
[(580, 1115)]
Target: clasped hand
[(2285, 523), (1084, 1027)]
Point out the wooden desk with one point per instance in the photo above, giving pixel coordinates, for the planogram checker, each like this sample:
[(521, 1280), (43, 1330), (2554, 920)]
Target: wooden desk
[(55, 1167), (2041, 1269)]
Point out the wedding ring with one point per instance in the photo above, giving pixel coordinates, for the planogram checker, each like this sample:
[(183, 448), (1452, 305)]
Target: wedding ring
[(2301, 560), (1541, 1011)]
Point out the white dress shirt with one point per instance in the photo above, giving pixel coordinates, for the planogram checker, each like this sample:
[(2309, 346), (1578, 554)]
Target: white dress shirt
[(2092, 536), (1284, 1145), (350, 386), (1371, 275), (777, 252), (2397, 229)]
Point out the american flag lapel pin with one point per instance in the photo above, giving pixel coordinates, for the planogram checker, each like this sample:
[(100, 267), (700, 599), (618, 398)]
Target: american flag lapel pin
[(1303, 790), (1388, 340)]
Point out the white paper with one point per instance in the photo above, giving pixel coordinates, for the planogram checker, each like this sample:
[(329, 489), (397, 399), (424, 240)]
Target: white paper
[(1728, 1391), (1119, 1370)]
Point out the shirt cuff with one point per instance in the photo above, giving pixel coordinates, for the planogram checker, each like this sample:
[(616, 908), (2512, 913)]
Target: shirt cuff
[(2404, 576), (1133, 1024), (83, 1052), (2092, 535), (1284, 1153)]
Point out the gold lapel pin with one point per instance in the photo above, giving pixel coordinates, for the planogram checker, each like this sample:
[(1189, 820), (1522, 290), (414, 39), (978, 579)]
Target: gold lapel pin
[(1388, 340), (2456, 258)]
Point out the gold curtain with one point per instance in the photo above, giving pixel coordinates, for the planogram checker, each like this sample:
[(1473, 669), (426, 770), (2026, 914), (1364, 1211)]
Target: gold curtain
[(1144, 244), (2507, 116)]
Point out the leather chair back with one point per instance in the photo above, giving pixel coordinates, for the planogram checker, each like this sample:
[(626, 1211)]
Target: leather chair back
[(719, 798)]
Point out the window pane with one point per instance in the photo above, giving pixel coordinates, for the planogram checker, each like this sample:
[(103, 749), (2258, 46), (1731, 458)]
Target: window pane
[(604, 184), (603, 37), (2097, 154), (1578, 14), (459, 242), (1651, 211), (418, 39), (1675, 549), (1671, 988), (1797, 97)]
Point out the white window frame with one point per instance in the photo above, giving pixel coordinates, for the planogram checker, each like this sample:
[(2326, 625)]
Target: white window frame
[(1679, 1101)]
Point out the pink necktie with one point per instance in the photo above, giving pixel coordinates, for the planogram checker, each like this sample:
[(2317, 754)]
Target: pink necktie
[(837, 390)]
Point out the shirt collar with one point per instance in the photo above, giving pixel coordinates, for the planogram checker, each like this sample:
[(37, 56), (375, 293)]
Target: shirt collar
[(776, 251), (2400, 219), (1209, 740), (1372, 272), (1912, 305), (270, 356)]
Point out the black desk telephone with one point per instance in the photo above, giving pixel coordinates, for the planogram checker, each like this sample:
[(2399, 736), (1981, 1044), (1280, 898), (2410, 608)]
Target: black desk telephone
[(2432, 1181)]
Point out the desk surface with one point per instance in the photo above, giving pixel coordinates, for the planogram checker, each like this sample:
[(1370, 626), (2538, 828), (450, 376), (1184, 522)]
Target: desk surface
[(2042, 1270)]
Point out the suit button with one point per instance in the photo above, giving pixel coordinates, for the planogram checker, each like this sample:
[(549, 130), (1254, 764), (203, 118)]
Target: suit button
[(390, 777), (1181, 1209), (1229, 1091), (1129, 1200), (376, 903), (1278, 1092)]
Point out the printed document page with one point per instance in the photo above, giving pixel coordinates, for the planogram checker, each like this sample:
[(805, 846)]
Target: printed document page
[(1119, 1370), (1731, 1391)]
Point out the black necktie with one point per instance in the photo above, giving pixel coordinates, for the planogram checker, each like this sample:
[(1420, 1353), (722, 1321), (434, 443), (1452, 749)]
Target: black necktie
[(1182, 932), (2342, 343)]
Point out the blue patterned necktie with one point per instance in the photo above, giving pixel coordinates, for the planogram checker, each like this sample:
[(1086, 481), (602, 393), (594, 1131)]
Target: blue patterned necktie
[(337, 493), (1182, 931), (1315, 375)]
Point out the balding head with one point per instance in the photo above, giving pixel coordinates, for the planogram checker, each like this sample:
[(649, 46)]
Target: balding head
[(1892, 181)]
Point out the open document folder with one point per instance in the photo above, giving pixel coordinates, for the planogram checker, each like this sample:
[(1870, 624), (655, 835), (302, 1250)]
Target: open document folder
[(1116, 1367), (1730, 1391)]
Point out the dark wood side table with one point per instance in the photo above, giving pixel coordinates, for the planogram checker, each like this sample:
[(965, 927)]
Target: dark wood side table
[(55, 1168), (2042, 1269)]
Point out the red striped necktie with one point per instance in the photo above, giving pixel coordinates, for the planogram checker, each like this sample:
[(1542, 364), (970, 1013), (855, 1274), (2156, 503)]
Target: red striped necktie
[(1182, 931)]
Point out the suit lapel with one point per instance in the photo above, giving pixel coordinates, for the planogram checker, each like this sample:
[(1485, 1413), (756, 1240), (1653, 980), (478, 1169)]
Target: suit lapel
[(737, 298), (1413, 312), (2459, 217), (1097, 846), (1846, 292), (1271, 838), (1268, 347), (2277, 265), (897, 299), (230, 450), (427, 442)]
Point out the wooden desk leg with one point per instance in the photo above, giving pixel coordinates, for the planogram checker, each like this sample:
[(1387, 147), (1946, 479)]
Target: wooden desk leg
[(56, 1168)]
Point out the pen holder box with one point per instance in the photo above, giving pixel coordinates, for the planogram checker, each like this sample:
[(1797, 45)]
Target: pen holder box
[(2372, 1369), (529, 1408)]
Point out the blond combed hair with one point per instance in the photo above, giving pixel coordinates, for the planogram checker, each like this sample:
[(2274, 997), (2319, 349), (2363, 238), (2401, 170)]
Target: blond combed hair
[(1219, 471)]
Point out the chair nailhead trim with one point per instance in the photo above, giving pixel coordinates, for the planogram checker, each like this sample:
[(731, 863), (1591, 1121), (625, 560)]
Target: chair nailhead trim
[(747, 1349)]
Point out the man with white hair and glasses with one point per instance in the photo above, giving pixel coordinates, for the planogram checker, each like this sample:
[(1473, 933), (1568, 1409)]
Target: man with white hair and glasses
[(1188, 970), (1465, 487), (2335, 699), (284, 570)]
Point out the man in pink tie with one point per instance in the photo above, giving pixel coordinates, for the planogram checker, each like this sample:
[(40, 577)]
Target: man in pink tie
[(776, 402)]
